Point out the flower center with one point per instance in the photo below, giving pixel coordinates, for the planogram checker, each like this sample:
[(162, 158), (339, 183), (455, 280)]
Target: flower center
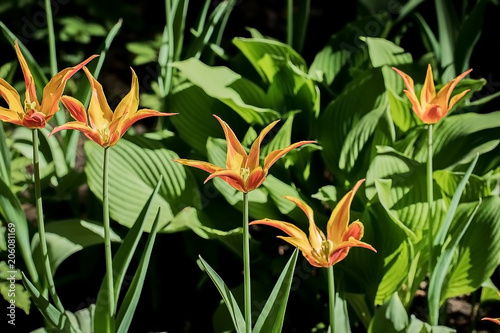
[(29, 107), (104, 133), (244, 173)]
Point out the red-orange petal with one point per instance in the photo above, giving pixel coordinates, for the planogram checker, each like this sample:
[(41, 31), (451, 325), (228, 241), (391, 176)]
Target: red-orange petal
[(444, 94), (129, 104), (433, 114), (34, 119), (229, 176), (28, 78), (84, 128), (275, 155), (495, 320), (100, 115), (289, 228), (129, 119), (208, 167), (75, 108), (255, 179)]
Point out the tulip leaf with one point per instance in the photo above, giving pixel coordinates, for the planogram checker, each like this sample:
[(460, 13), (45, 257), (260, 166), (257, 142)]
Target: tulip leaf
[(267, 56), (227, 296), (272, 315), (5, 158), (67, 237), (477, 254), (437, 279), (53, 316), (242, 95), (440, 238), (447, 23), (418, 326), (12, 211), (37, 72), (129, 304), (121, 261), (391, 317), (135, 165)]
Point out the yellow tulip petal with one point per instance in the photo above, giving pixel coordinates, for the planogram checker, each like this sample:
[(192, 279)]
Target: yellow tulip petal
[(275, 155), (316, 236), (75, 108), (253, 156), (236, 155), (339, 219), (208, 167), (12, 98), (428, 90), (289, 228), (28, 78), (456, 98), (99, 112), (9, 116), (444, 94), (129, 104), (131, 118), (306, 249), (410, 92)]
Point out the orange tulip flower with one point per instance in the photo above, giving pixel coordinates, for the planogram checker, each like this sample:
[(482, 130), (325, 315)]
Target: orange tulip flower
[(106, 127), (319, 250), (431, 108), (242, 171), (495, 320), (32, 114)]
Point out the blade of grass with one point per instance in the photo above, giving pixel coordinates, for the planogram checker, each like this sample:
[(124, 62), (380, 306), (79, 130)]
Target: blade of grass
[(129, 304)]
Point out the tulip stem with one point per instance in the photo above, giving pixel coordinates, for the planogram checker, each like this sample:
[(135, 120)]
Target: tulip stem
[(107, 241), (246, 266), (331, 297), (49, 281), (430, 198)]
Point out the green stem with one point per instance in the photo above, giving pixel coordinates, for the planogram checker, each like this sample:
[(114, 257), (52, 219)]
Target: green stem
[(430, 198), (52, 40), (246, 266), (107, 239), (41, 225), (331, 299), (289, 35)]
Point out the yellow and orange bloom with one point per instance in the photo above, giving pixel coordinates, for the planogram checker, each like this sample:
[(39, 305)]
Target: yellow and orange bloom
[(104, 126), (242, 171), (341, 236), (495, 320), (33, 114), (432, 107)]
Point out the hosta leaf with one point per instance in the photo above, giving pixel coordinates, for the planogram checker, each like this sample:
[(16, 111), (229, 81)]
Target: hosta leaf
[(143, 161), (243, 96), (267, 55), (477, 187), (383, 52), (391, 317), (67, 237)]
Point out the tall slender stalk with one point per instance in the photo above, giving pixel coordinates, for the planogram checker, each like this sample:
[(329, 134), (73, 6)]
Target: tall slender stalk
[(47, 276), (107, 239), (331, 297), (52, 40), (246, 266), (289, 34), (430, 198)]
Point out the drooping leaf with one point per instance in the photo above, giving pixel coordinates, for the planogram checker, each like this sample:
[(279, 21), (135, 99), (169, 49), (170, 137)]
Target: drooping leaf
[(391, 317)]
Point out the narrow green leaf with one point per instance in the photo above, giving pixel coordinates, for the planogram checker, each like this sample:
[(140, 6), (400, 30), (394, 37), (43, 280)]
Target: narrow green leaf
[(440, 238), (12, 211), (447, 23), (227, 296), (121, 261), (37, 72), (272, 315), (440, 271), (129, 304), (4, 158)]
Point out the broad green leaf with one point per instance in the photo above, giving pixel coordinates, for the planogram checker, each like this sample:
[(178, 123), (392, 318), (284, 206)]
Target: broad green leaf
[(437, 280), (143, 160), (67, 237), (477, 256), (391, 317), (272, 315), (121, 261), (385, 53), (335, 123), (57, 154), (418, 326), (268, 55), (243, 96), (227, 296), (489, 292), (327, 195), (476, 187), (8, 277), (341, 323), (129, 304)]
